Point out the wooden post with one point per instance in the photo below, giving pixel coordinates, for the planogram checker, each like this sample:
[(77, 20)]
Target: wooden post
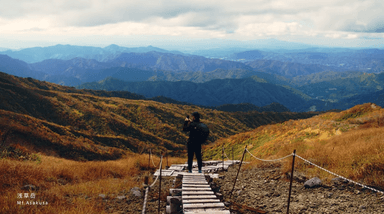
[(234, 184), (233, 156), (290, 184), (222, 156), (166, 153), (149, 159), (161, 166)]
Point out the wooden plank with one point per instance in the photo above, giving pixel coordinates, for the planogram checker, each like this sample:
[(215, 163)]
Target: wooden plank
[(208, 211), (197, 193), (196, 189), (197, 185), (194, 201), (191, 175), (194, 180), (195, 197), (164, 172), (203, 206)]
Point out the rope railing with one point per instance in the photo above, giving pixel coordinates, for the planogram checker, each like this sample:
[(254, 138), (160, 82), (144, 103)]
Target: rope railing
[(150, 156), (226, 155), (295, 155), (279, 159), (332, 173), (339, 176), (149, 187)]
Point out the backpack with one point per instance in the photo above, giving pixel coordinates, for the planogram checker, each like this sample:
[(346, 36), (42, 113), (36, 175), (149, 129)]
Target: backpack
[(202, 132)]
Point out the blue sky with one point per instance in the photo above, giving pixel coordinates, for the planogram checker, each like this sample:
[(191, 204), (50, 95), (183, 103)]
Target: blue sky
[(171, 23)]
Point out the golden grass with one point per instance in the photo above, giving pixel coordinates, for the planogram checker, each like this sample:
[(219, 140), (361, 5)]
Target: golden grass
[(70, 186), (349, 143)]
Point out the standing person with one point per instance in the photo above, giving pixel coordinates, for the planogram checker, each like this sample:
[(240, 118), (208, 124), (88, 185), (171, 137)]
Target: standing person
[(198, 134)]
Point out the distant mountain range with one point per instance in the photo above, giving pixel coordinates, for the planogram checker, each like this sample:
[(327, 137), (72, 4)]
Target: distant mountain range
[(213, 93), (336, 59), (67, 52), (301, 80)]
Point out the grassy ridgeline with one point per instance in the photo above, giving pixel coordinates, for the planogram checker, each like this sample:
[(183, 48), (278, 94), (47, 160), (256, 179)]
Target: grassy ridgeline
[(348, 143)]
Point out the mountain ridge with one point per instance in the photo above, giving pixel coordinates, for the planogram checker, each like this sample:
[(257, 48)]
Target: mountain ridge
[(212, 93), (96, 125)]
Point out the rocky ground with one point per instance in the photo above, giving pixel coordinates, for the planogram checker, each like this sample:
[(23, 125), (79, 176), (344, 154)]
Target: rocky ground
[(264, 189), (267, 189)]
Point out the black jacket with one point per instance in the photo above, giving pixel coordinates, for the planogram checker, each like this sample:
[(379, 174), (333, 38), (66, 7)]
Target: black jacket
[(191, 127)]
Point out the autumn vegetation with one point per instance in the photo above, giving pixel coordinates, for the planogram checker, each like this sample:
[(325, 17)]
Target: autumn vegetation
[(349, 143), (73, 145)]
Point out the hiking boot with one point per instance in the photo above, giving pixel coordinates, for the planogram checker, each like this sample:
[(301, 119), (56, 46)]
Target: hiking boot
[(200, 171)]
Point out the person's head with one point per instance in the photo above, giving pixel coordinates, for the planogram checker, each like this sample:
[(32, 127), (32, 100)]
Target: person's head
[(196, 116)]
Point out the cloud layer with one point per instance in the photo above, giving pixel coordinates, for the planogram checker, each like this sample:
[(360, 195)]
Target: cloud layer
[(242, 19)]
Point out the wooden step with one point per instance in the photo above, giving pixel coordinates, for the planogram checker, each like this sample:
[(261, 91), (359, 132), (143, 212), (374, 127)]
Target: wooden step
[(197, 185), (196, 201), (195, 197), (203, 206), (195, 182), (208, 211), (195, 189), (197, 193)]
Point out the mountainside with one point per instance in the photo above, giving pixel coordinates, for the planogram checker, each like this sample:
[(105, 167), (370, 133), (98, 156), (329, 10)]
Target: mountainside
[(94, 125), (70, 67), (138, 67), (274, 107), (212, 93), (348, 143), (337, 59), (16, 67), (177, 63), (67, 52), (344, 87), (321, 77), (288, 69)]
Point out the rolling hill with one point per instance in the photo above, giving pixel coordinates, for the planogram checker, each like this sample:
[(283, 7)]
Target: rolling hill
[(96, 125)]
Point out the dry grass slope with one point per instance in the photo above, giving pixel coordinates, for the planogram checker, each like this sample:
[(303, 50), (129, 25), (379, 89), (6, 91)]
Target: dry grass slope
[(70, 186), (74, 145), (349, 143)]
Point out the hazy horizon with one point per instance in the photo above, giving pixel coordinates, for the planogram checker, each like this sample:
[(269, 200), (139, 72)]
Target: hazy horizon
[(175, 25)]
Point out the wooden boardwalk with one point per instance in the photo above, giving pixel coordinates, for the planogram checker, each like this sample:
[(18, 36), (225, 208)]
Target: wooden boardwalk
[(197, 196)]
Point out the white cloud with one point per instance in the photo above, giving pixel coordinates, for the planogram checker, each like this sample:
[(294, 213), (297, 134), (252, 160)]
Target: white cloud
[(242, 19)]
